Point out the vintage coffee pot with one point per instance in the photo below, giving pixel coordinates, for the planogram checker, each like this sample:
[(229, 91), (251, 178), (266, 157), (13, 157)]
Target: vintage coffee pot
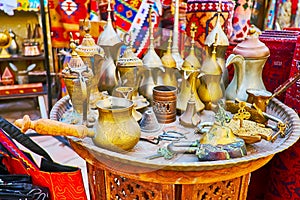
[(116, 129), (77, 78), (13, 49), (191, 69), (93, 56), (111, 43), (151, 66), (217, 43), (248, 59), (211, 89), (5, 41), (127, 70)]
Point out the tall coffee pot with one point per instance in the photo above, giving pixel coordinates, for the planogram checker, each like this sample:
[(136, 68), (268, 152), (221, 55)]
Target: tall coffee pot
[(248, 59)]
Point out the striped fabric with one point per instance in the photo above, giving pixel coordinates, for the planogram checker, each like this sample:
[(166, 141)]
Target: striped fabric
[(132, 16)]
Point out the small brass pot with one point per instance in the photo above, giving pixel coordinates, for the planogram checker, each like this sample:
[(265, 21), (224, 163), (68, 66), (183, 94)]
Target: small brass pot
[(116, 129)]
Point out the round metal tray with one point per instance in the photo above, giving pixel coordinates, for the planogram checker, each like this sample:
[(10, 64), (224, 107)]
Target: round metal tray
[(136, 157)]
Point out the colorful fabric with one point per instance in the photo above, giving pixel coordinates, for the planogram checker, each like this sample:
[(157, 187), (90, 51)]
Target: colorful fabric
[(94, 11), (64, 17), (241, 20), (293, 93), (132, 16), (203, 14), (270, 19), (62, 181)]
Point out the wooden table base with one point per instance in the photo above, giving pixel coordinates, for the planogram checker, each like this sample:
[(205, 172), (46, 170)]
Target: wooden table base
[(106, 185)]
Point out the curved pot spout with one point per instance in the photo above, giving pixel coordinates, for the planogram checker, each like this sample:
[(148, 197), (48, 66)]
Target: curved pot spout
[(234, 86)]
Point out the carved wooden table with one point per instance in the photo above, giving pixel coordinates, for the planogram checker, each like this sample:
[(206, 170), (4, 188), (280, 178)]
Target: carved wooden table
[(130, 175)]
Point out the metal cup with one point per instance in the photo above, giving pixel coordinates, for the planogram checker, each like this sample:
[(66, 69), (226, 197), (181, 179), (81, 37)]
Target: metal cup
[(164, 103)]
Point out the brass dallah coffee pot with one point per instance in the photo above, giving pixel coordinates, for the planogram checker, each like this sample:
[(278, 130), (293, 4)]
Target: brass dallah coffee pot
[(93, 56), (191, 69), (127, 71), (210, 89), (248, 59), (76, 77), (111, 43), (217, 42), (152, 66)]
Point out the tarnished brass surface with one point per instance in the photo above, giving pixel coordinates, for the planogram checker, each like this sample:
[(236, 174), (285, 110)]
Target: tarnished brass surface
[(93, 56), (252, 47), (77, 77), (128, 70), (251, 132), (152, 65), (116, 129), (247, 75), (259, 97), (188, 90), (210, 89)]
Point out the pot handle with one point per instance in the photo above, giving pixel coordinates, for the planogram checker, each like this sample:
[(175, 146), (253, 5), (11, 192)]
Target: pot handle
[(52, 127)]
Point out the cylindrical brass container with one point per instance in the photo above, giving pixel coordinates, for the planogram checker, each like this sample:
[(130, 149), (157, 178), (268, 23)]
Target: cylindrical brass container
[(164, 103)]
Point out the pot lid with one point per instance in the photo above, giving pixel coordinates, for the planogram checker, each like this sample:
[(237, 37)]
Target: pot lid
[(109, 37), (191, 62), (88, 47), (151, 60), (129, 59), (252, 47), (75, 61)]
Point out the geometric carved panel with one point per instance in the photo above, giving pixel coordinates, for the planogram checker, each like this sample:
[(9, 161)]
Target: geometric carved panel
[(121, 188), (225, 190)]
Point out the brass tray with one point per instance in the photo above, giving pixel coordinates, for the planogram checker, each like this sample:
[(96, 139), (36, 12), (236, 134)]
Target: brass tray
[(188, 162)]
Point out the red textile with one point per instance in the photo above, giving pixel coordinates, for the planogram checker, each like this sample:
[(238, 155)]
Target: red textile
[(64, 19), (293, 93), (67, 185)]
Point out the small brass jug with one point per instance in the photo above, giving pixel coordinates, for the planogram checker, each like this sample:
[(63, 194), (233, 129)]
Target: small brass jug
[(116, 128)]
